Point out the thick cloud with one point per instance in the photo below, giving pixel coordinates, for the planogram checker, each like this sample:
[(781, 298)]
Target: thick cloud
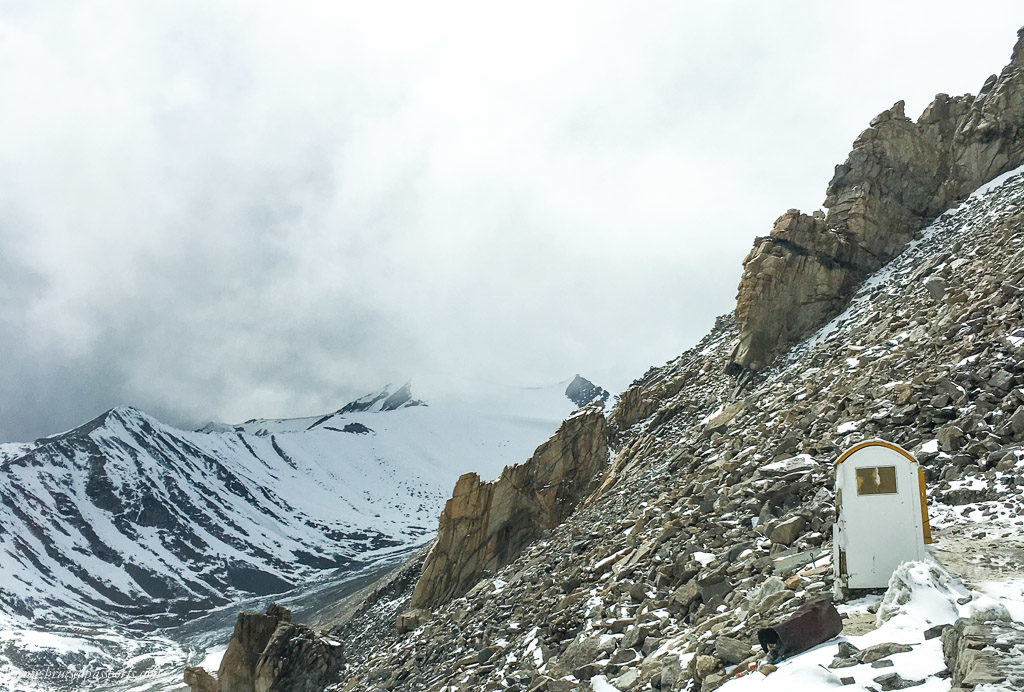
[(231, 209)]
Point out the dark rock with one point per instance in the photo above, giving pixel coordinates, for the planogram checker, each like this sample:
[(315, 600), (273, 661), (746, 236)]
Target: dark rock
[(297, 659), (237, 672), (936, 287), (1001, 380), (847, 650), (893, 681), (585, 652), (789, 530), (950, 438), (686, 594), (582, 391)]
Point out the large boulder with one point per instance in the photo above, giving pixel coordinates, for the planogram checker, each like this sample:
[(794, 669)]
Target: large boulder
[(785, 532), (484, 526)]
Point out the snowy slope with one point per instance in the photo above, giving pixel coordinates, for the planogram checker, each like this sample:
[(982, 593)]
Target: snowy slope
[(125, 518)]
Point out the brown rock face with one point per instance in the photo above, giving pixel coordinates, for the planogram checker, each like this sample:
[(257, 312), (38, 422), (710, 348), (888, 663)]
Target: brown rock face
[(237, 672), (485, 525), (269, 653), (200, 681), (792, 281), (296, 659), (899, 175)]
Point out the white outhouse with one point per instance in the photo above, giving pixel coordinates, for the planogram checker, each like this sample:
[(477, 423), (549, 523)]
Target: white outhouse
[(881, 514)]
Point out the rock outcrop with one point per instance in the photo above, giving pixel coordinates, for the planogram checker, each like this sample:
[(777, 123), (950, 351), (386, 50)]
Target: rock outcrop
[(899, 175), (792, 281), (484, 526), (297, 659), (267, 652), (985, 653), (237, 672), (199, 680)]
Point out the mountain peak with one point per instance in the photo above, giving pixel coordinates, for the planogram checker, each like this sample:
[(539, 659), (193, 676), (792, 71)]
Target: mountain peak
[(582, 391), (125, 412), (129, 416), (383, 400)]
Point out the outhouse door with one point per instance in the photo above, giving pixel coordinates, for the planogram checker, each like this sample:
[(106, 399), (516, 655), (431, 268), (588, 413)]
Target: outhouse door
[(880, 517)]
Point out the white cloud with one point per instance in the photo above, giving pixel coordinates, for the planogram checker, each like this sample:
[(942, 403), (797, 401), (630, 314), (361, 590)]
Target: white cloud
[(230, 209)]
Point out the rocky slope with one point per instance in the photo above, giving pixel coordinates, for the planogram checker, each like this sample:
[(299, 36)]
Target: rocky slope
[(698, 533), (711, 519), (714, 514)]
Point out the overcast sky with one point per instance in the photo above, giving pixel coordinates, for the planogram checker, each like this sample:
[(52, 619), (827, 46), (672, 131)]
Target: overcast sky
[(222, 210)]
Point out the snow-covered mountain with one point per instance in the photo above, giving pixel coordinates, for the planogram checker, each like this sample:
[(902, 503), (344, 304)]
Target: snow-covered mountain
[(126, 521), (129, 517)]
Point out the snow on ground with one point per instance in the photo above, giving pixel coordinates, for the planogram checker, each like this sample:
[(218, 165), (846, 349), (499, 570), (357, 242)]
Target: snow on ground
[(921, 595), (977, 568)]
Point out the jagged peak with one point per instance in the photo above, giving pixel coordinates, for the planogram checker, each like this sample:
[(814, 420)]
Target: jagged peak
[(895, 112), (1017, 56), (582, 391), (384, 399), (126, 412)]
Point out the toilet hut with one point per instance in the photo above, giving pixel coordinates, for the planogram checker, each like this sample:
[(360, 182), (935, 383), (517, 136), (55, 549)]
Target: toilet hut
[(881, 514)]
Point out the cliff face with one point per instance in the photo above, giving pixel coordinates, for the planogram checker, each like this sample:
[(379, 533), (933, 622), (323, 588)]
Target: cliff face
[(485, 525), (899, 175)]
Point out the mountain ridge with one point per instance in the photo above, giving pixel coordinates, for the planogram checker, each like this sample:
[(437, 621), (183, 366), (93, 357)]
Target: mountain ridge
[(899, 175)]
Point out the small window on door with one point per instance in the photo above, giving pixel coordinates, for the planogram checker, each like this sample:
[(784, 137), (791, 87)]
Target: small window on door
[(876, 480)]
